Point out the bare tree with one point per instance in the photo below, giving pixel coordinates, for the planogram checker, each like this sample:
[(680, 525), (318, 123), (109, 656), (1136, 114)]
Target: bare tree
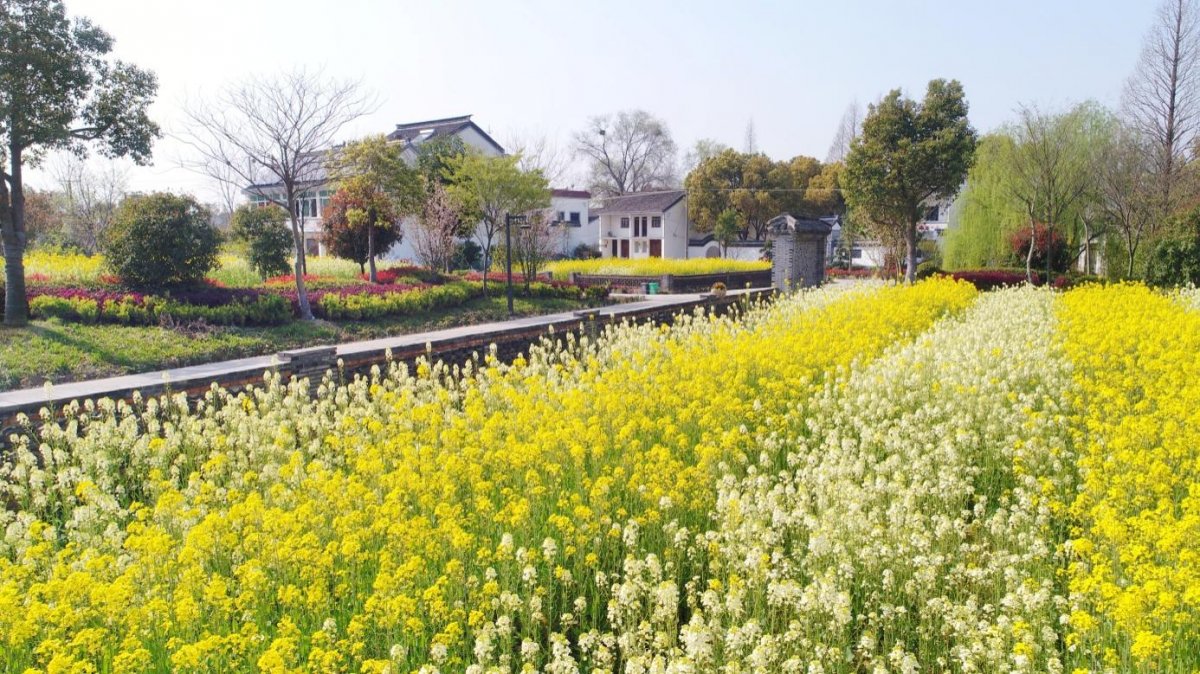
[(1049, 172), (536, 242), (542, 153), (1126, 188), (631, 151), (89, 199), (1162, 97), (750, 141), (848, 129), (437, 229), (270, 136)]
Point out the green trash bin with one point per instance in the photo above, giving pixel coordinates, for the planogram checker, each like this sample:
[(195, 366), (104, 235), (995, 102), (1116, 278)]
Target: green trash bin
[(652, 288)]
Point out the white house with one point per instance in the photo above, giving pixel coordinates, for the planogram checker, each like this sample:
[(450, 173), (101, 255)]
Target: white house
[(572, 220), (313, 202), (644, 224)]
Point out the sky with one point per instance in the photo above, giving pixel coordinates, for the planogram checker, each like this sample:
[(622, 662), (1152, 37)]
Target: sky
[(707, 68)]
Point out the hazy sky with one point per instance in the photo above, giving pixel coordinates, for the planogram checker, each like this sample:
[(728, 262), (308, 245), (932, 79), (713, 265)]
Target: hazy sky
[(706, 68)]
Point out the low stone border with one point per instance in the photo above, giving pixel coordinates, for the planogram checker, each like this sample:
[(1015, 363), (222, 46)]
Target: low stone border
[(510, 338), (679, 283)]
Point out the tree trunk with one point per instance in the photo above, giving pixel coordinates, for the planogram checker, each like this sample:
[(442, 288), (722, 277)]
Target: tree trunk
[(1129, 246), (910, 245), (374, 277), (1029, 257), (16, 303), (487, 263), (298, 269)]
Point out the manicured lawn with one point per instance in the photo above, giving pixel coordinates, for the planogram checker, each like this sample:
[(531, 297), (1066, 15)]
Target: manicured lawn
[(58, 352)]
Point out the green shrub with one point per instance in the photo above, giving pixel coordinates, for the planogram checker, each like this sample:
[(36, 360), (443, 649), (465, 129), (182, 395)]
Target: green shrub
[(161, 240), (1175, 262), (267, 237), (71, 309), (369, 306), (264, 310), (927, 269)]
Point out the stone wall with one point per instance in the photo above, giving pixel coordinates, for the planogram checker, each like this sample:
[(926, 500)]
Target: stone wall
[(509, 339)]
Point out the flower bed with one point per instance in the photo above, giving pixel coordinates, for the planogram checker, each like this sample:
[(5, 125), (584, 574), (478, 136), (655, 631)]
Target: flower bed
[(878, 478)]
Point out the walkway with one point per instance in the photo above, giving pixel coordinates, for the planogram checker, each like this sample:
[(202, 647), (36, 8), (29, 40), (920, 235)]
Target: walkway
[(194, 377)]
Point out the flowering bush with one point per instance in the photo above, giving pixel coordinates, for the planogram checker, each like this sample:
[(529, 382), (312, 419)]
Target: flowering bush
[(991, 279), (856, 272)]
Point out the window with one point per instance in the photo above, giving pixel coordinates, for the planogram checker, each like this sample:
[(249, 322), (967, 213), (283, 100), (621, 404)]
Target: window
[(856, 253), (574, 219), (624, 223), (656, 221), (932, 214), (306, 206), (326, 195), (561, 217)]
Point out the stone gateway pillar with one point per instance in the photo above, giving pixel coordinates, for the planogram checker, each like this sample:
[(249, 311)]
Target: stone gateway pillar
[(797, 251)]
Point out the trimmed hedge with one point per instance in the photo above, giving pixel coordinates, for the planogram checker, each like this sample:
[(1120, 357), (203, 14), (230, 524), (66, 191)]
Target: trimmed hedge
[(152, 310)]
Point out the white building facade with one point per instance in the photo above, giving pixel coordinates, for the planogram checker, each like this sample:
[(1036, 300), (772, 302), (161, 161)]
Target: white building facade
[(572, 222), (643, 225), (312, 204)]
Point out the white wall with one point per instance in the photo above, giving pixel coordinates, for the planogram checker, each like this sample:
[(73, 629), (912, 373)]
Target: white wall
[(673, 232), (571, 236), (474, 139)]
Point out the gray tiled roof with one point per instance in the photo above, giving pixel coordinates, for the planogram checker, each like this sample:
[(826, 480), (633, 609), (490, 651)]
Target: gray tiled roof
[(641, 202), (792, 223), (419, 132)]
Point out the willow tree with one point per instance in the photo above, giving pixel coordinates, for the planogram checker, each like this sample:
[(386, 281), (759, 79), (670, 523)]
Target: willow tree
[(986, 212), (59, 90)]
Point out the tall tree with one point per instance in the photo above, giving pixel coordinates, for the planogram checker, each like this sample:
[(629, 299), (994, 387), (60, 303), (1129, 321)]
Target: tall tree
[(986, 212), (848, 129), (270, 136), (376, 171), (758, 189), (59, 90), (750, 141), (1126, 191), (491, 188), (908, 153), (1162, 97), (631, 151)]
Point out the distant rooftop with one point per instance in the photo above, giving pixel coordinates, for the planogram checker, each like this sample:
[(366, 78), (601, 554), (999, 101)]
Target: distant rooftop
[(571, 194), (416, 133)]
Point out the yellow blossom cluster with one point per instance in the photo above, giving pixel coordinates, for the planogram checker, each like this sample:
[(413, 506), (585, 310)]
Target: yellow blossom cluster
[(872, 479), (548, 513), (1135, 571)]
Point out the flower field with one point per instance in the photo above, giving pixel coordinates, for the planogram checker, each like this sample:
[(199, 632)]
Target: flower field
[(875, 479)]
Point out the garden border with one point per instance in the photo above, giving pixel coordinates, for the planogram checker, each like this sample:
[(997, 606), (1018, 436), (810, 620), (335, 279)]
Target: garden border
[(452, 345), (678, 283)]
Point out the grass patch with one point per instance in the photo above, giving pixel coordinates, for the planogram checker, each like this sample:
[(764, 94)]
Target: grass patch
[(51, 351)]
